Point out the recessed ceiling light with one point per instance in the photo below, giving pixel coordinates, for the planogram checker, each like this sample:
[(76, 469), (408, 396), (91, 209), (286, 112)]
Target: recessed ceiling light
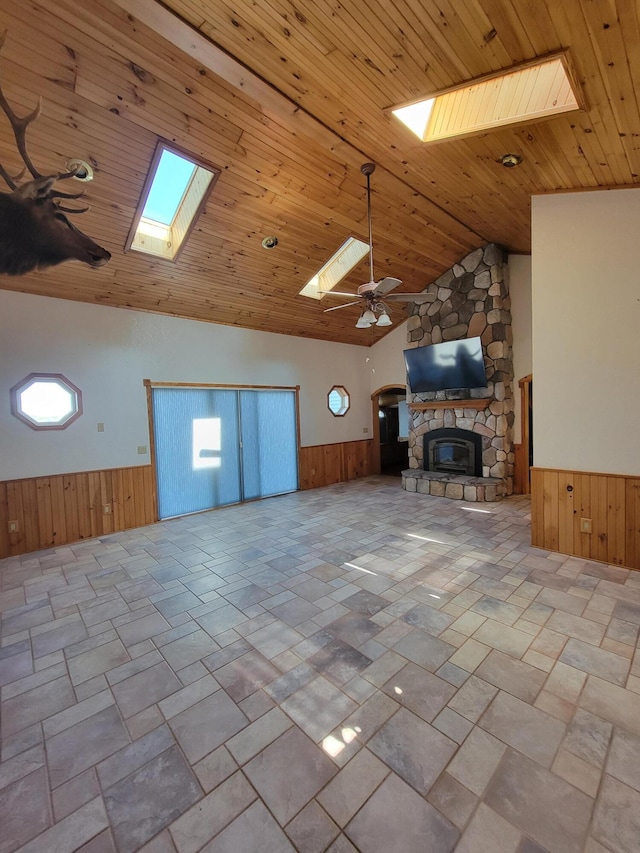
[(510, 160), (83, 171), (269, 242)]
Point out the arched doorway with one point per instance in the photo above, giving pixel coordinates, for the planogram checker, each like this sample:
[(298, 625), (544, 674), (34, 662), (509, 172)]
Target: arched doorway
[(390, 429)]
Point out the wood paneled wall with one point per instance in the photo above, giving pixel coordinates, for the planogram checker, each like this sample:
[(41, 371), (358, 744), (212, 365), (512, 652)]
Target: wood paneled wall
[(64, 508), (561, 499), (324, 464), (51, 511), (520, 470)]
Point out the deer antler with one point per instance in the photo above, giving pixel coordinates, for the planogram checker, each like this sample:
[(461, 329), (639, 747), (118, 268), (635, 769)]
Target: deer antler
[(19, 126)]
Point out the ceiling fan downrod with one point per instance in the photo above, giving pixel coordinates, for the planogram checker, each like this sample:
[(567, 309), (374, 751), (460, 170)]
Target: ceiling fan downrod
[(368, 169)]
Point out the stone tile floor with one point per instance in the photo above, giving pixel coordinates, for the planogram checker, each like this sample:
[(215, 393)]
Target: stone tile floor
[(355, 668)]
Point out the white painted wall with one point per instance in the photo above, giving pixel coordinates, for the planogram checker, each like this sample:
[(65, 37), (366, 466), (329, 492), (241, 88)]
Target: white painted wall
[(586, 331), (107, 352), (520, 290), (386, 363)]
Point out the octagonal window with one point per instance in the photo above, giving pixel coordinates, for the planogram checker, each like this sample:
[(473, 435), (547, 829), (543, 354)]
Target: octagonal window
[(338, 401), (46, 401)]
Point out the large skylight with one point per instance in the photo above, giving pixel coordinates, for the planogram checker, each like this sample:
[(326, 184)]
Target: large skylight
[(174, 194), (339, 265), (535, 90)]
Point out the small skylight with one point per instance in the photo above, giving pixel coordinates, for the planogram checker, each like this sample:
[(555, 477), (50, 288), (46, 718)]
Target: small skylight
[(336, 268), (174, 194), (532, 91)]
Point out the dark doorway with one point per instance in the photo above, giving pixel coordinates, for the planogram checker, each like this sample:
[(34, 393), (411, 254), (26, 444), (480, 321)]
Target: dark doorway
[(391, 415)]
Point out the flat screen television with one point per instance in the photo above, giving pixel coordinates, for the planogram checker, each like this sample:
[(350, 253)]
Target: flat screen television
[(448, 366)]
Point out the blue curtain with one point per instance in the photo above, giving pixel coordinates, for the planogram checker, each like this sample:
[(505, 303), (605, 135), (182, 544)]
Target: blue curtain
[(269, 443)]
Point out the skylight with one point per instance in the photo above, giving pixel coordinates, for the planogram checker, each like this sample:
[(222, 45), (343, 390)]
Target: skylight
[(532, 91), (174, 194), (339, 265)]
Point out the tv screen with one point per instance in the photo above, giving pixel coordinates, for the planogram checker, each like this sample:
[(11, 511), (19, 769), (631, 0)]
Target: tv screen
[(446, 366)]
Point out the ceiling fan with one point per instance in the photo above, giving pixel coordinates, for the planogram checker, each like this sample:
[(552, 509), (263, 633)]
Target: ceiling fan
[(369, 295)]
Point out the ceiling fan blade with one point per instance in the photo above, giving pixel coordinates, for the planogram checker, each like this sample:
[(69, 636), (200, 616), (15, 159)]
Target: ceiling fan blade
[(337, 293), (338, 307), (408, 297), (385, 285)]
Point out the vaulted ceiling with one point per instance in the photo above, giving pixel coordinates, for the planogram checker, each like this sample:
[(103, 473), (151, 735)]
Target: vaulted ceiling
[(288, 99)]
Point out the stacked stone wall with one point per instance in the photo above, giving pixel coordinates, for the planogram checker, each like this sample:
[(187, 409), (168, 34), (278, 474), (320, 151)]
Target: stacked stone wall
[(471, 299)]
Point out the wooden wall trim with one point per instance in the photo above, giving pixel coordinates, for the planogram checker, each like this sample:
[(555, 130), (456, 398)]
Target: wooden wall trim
[(560, 499), (64, 508), (325, 464)]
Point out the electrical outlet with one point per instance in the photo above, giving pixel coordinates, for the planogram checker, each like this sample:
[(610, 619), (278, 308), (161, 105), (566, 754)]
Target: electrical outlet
[(106, 509), (585, 525), (100, 427), (365, 430), (13, 527), (142, 449)]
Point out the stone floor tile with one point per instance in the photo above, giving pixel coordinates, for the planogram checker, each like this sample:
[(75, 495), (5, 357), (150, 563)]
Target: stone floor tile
[(274, 639), (286, 786), (24, 807), (588, 737), (101, 843), (214, 768), (245, 675), (514, 676), (363, 602), (502, 637), (475, 762), (591, 659), (493, 608), (250, 741), (612, 703), (428, 619), (577, 772), (28, 708), (555, 706), (452, 725), (624, 758), (209, 816), (339, 662), (188, 649), (318, 707), (542, 805), (142, 804), (576, 627), (562, 601), (146, 688), (488, 831), (188, 696), (452, 799), (71, 833), (473, 698), (415, 750), (59, 637), (523, 727), (550, 643), (134, 755), (383, 668), (85, 744), (221, 619), (453, 674), (395, 812), (312, 830), (255, 831), (425, 650), (75, 793), (616, 822), (469, 655), (419, 690), (468, 622), (87, 665), (207, 724), (353, 785), (342, 845)]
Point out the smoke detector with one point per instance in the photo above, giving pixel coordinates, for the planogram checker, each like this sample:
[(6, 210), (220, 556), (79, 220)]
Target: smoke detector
[(510, 160), (269, 242), (83, 171)]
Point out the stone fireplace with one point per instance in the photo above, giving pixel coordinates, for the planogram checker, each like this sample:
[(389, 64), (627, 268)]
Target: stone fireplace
[(461, 442)]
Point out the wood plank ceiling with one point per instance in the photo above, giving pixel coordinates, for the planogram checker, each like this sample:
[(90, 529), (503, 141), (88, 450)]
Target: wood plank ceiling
[(289, 99)]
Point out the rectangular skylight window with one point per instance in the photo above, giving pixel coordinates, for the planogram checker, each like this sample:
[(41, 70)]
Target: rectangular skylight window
[(534, 90), (174, 195), (336, 268)]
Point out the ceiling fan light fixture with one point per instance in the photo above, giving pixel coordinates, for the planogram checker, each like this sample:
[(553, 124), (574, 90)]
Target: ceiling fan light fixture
[(384, 319), (363, 323), (369, 316)]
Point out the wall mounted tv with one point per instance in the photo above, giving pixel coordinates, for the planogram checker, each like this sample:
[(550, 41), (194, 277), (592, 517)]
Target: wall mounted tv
[(447, 366)]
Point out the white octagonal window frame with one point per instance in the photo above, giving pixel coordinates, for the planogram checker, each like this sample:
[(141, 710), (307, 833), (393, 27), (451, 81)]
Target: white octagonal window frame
[(46, 401), (338, 401)]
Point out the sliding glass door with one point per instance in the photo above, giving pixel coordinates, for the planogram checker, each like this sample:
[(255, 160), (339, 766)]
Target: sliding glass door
[(216, 446)]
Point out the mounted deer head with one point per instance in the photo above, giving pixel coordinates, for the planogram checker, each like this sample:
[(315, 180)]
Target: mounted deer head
[(34, 230)]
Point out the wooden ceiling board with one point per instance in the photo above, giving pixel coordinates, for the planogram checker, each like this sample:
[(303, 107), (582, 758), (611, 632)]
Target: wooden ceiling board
[(288, 101)]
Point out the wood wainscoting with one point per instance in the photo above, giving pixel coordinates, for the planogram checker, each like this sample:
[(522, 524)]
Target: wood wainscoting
[(62, 508), (561, 500), (325, 464)]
